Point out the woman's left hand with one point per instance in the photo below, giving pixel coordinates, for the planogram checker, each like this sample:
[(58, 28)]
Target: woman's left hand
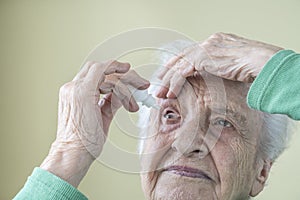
[(225, 55)]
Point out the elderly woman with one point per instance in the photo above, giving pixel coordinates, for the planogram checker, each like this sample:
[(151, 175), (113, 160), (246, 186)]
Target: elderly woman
[(206, 142)]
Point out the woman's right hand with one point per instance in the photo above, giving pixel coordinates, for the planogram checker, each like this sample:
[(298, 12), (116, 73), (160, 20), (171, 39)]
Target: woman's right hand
[(84, 118)]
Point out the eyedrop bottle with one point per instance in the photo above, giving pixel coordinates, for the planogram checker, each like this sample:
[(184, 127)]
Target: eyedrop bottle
[(144, 97)]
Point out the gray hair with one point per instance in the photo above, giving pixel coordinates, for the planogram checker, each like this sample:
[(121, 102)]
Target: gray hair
[(277, 128), (276, 134)]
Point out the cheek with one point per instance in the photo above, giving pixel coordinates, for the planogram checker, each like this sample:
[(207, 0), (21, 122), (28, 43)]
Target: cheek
[(155, 148), (234, 161)]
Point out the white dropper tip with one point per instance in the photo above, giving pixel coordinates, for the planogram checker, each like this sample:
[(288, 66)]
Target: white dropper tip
[(144, 97)]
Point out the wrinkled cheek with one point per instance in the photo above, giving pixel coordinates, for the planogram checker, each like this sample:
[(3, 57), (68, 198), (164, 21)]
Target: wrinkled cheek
[(155, 149), (243, 155), (152, 162), (148, 181), (238, 157)]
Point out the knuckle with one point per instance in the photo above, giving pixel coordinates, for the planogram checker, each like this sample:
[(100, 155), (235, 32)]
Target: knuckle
[(95, 64), (126, 65), (77, 88), (216, 36), (66, 90), (90, 63), (118, 64), (113, 62), (66, 87), (112, 78), (131, 74), (219, 34), (123, 63)]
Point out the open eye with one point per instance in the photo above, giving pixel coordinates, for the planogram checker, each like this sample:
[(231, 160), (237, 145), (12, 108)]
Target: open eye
[(170, 117), (224, 123)]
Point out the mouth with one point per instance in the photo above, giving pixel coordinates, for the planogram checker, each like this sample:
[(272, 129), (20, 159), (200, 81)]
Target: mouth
[(188, 172)]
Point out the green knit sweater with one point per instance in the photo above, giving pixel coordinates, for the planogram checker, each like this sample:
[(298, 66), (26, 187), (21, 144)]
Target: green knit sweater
[(277, 87), (275, 90)]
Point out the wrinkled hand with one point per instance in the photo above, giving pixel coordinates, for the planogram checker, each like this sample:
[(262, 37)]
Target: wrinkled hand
[(84, 117), (225, 55)]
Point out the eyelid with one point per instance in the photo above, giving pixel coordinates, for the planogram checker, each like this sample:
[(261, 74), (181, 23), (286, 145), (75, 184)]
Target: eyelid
[(235, 118), (169, 110), (228, 125), (215, 121), (170, 103), (168, 125)]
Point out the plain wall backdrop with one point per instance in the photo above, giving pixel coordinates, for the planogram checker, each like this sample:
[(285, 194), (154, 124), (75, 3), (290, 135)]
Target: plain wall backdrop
[(43, 44)]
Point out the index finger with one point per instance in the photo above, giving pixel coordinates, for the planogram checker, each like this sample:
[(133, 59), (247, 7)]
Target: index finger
[(97, 72), (171, 62), (134, 79)]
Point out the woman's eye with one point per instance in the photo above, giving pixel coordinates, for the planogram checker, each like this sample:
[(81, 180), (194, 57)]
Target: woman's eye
[(171, 117), (224, 123)]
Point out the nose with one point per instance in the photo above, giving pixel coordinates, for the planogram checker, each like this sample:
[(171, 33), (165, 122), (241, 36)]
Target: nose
[(190, 144)]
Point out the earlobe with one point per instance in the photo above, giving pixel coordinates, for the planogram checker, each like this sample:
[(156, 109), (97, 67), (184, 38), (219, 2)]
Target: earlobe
[(261, 177)]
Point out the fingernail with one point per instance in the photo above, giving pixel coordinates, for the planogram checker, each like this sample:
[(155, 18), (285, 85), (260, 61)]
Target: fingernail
[(171, 95), (158, 93)]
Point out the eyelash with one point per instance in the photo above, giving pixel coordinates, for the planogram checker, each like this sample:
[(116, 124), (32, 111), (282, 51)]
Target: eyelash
[(224, 123)]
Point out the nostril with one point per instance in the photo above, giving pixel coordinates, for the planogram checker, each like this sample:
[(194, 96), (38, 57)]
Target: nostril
[(197, 151)]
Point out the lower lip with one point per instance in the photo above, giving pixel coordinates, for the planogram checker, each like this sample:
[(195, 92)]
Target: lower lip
[(190, 174)]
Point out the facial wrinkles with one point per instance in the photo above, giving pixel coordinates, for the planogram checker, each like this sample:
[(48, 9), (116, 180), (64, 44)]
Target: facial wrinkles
[(243, 159), (158, 146), (203, 100), (231, 159), (233, 152), (208, 99), (149, 161), (201, 108), (200, 118), (210, 137), (188, 111), (233, 112), (243, 149)]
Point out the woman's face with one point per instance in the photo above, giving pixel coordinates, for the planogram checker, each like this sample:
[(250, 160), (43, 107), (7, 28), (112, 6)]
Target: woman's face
[(202, 145)]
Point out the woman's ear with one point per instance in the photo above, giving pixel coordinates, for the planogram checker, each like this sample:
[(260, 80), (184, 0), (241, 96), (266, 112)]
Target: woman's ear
[(258, 185)]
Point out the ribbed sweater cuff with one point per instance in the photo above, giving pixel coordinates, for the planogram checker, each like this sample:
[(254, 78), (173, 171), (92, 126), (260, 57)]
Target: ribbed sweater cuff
[(53, 185), (265, 77)]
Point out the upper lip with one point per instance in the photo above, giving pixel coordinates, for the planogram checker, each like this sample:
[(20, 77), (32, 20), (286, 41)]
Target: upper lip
[(188, 171)]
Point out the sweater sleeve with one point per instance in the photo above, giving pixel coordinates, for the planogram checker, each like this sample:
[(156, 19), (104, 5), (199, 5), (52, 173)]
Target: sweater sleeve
[(45, 185), (277, 87)]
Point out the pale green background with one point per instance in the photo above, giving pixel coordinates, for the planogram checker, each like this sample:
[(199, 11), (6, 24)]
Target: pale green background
[(43, 44)]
